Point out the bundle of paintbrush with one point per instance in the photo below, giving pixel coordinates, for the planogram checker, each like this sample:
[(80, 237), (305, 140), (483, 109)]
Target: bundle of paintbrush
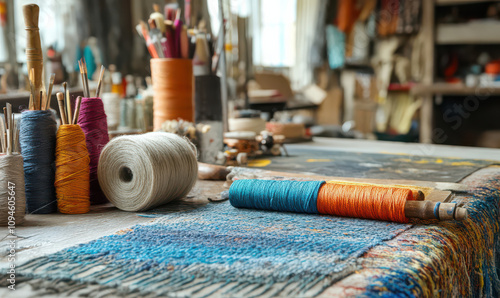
[(65, 109), (9, 131), (166, 36), (41, 102), (85, 79)]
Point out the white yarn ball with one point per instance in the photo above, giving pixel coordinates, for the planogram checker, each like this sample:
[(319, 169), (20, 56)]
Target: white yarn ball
[(140, 172)]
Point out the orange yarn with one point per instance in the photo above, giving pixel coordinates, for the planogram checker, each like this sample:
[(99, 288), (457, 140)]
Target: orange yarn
[(72, 170), (364, 201)]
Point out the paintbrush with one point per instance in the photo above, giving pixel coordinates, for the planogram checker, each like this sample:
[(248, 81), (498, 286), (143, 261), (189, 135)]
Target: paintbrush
[(15, 135), (77, 109), (9, 128), (177, 34), (99, 83), (32, 104), (158, 18), (80, 66), (184, 43), (3, 135), (155, 35), (49, 93), (86, 77), (151, 47), (60, 102), (6, 132), (66, 99), (170, 34)]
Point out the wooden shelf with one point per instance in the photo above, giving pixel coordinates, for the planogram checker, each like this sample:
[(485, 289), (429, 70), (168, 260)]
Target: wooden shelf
[(477, 32), (453, 89), (459, 2)]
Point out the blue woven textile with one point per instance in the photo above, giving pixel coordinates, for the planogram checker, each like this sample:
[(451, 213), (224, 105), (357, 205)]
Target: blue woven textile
[(222, 249)]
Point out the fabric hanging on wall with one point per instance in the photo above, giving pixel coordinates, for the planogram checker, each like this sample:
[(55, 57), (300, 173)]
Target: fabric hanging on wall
[(309, 41), (4, 50), (335, 41)]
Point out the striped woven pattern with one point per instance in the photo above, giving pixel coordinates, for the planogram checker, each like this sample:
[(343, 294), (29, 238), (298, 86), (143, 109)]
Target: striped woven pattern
[(222, 248)]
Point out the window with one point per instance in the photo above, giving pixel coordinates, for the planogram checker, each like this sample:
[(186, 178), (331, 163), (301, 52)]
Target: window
[(274, 32)]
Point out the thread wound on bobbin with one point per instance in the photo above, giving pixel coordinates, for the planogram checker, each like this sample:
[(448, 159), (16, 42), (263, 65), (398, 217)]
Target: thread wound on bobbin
[(12, 195), (139, 172), (92, 120), (37, 137), (72, 170)]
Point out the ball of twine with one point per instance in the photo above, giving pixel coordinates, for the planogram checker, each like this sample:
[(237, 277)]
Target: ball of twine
[(139, 172), (12, 175)]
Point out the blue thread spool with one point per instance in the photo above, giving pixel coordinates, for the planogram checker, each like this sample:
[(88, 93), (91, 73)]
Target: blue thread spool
[(37, 136), (291, 196)]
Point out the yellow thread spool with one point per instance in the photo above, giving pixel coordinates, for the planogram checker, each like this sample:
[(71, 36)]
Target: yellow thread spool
[(72, 170)]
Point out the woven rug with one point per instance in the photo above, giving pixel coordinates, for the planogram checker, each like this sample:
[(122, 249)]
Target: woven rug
[(219, 249), (438, 259)]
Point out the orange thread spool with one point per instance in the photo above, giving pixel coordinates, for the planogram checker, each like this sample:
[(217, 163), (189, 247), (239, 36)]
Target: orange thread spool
[(364, 201), (72, 170), (173, 90)]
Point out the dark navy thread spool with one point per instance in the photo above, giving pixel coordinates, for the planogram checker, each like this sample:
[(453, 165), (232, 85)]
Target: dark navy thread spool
[(37, 136)]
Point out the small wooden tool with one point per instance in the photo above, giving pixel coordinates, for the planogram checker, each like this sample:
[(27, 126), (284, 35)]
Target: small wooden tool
[(34, 57), (62, 111)]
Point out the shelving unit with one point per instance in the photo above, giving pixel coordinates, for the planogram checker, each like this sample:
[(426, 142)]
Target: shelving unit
[(477, 32), (457, 2), (452, 89)]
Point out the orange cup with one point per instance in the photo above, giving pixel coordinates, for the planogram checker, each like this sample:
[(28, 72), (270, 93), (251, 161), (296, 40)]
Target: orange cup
[(173, 90)]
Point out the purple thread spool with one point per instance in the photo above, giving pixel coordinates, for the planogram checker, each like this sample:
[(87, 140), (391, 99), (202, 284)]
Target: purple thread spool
[(92, 120)]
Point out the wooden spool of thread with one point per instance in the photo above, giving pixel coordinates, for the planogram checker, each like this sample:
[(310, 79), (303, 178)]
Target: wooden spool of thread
[(92, 121), (173, 90), (37, 136), (72, 170), (12, 196), (340, 199)]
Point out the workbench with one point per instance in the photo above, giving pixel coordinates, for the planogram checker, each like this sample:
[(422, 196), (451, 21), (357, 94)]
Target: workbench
[(47, 234)]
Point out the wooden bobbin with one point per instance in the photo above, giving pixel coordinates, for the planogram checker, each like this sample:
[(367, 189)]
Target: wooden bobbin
[(419, 208), (434, 210), (34, 57)]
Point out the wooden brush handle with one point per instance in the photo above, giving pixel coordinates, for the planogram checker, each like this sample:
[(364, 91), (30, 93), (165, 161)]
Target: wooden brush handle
[(413, 209), (212, 172), (34, 56), (434, 210)]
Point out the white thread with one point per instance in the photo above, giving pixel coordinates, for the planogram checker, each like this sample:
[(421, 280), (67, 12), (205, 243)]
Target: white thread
[(140, 172), (111, 103), (11, 170)]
